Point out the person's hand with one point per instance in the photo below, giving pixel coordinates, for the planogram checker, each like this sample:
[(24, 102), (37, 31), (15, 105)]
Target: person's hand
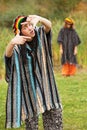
[(61, 51), (75, 51), (19, 40), (33, 19)]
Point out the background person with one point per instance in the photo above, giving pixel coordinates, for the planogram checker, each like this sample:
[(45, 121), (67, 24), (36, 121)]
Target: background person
[(68, 40)]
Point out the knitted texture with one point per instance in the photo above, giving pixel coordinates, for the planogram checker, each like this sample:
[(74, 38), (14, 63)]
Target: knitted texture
[(17, 23), (69, 20)]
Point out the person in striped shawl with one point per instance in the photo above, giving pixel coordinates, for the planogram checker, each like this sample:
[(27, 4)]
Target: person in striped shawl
[(29, 73)]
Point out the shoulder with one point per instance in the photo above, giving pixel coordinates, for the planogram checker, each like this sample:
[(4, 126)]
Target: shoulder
[(74, 32), (39, 28), (62, 30)]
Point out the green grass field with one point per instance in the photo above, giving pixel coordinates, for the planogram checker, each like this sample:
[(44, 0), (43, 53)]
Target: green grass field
[(74, 100), (73, 96)]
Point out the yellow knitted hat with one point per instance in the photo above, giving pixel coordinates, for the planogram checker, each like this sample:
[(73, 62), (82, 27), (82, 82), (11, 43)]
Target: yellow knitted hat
[(69, 20)]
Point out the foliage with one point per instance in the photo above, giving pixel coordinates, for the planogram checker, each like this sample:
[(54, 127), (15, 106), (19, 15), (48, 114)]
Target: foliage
[(48, 8), (5, 36)]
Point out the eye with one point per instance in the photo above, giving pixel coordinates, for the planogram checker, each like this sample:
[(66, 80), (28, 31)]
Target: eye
[(30, 24), (24, 28)]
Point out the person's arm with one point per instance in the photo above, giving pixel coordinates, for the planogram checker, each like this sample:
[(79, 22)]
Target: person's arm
[(75, 50), (34, 19), (46, 23), (17, 40), (61, 48), (9, 49)]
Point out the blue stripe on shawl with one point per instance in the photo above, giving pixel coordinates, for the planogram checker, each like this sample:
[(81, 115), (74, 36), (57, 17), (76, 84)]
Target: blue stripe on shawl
[(18, 93), (30, 73)]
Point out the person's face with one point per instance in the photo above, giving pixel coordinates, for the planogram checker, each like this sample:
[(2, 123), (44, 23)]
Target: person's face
[(68, 25), (28, 29)]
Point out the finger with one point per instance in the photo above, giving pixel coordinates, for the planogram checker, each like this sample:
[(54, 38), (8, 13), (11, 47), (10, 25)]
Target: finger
[(24, 23), (23, 41), (32, 16), (29, 18), (25, 37)]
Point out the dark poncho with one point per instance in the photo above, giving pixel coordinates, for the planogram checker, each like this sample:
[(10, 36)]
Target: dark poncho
[(69, 39), (31, 85)]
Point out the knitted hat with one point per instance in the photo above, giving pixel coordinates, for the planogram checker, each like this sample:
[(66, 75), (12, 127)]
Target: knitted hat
[(69, 20), (17, 23)]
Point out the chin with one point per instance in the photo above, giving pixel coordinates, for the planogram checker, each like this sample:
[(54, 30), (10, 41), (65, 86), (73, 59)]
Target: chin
[(33, 35)]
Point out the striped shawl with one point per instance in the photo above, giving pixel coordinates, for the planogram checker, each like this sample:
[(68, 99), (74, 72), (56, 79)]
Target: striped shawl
[(31, 86)]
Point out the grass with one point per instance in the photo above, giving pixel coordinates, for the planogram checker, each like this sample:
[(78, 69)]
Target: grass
[(48, 8), (73, 96)]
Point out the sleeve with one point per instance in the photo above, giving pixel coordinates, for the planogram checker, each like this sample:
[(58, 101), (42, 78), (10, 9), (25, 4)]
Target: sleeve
[(49, 41), (60, 36), (8, 62), (48, 37), (76, 39)]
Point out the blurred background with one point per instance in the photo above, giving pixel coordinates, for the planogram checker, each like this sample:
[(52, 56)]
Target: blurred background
[(73, 90), (54, 10)]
